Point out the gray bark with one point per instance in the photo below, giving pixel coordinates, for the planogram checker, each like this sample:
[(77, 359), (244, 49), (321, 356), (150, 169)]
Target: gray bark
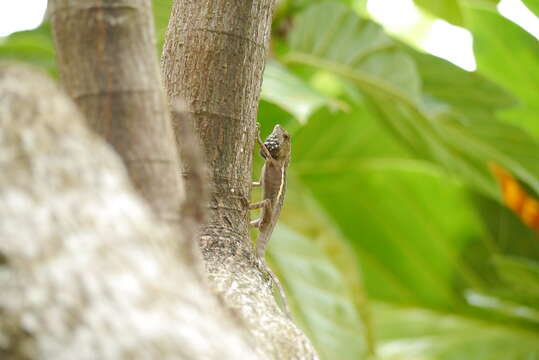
[(106, 58), (213, 57), (86, 272)]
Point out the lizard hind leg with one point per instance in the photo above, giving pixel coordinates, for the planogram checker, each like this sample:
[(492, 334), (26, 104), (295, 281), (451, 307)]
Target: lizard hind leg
[(261, 204)]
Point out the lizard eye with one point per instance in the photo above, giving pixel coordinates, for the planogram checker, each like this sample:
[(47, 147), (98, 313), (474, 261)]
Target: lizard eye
[(286, 136)]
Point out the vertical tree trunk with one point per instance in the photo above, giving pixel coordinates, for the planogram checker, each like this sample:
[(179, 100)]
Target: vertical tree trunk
[(213, 58), (106, 57)]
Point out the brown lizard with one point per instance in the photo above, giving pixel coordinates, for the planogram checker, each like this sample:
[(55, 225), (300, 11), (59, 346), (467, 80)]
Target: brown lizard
[(276, 152)]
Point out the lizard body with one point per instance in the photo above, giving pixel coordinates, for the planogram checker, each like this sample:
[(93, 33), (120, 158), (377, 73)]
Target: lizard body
[(276, 152)]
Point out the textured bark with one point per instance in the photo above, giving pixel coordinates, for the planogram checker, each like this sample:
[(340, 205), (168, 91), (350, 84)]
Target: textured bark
[(213, 58), (107, 62), (85, 270)]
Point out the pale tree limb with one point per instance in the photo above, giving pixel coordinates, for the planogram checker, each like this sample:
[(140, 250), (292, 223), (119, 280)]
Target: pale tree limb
[(213, 58), (86, 272), (106, 58)]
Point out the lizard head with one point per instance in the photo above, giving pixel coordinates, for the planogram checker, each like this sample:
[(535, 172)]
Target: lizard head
[(278, 143)]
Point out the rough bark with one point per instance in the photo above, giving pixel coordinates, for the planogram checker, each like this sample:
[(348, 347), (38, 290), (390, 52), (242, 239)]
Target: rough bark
[(213, 58), (85, 270), (107, 62)]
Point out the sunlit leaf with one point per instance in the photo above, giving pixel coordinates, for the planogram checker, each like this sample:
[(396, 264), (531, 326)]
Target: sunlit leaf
[(413, 228), (448, 10), (377, 194), (408, 333), (507, 54), (321, 298), (466, 92), (289, 92), (358, 51), (533, 5)]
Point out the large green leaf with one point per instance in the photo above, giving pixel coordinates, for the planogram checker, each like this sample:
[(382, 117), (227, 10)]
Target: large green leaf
[(407, 333), (506, 53), (466, 92), (358, 51), (321, 298), (371, 187), (413, 230)]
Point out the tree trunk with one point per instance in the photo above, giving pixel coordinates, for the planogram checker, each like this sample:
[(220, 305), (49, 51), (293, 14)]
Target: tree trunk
[(85, 271), (106, 58), (213, 58)]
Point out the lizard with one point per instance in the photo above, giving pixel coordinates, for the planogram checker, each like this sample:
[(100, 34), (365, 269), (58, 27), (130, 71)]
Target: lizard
[(276, 153)]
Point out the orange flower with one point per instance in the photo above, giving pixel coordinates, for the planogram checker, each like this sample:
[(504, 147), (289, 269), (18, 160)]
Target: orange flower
[(516, 198)]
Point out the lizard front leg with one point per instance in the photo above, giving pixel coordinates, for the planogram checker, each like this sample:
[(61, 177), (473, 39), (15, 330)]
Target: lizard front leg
[(256, 223)]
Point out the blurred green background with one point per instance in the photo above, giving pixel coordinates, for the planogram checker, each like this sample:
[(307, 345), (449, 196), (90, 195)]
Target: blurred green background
[(394, 242)]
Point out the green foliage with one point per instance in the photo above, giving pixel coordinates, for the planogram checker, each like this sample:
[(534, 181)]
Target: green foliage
[(161, 12), (392, 176), (393, 238), (284, 89), (448, 336), (387, 76), (34, 47), (500, 45), (448, 10), (533, 5), (323, 304), (453, 11)]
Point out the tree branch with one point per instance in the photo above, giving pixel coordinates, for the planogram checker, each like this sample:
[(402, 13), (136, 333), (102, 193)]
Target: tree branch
[(106, 58), (213, 58)]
